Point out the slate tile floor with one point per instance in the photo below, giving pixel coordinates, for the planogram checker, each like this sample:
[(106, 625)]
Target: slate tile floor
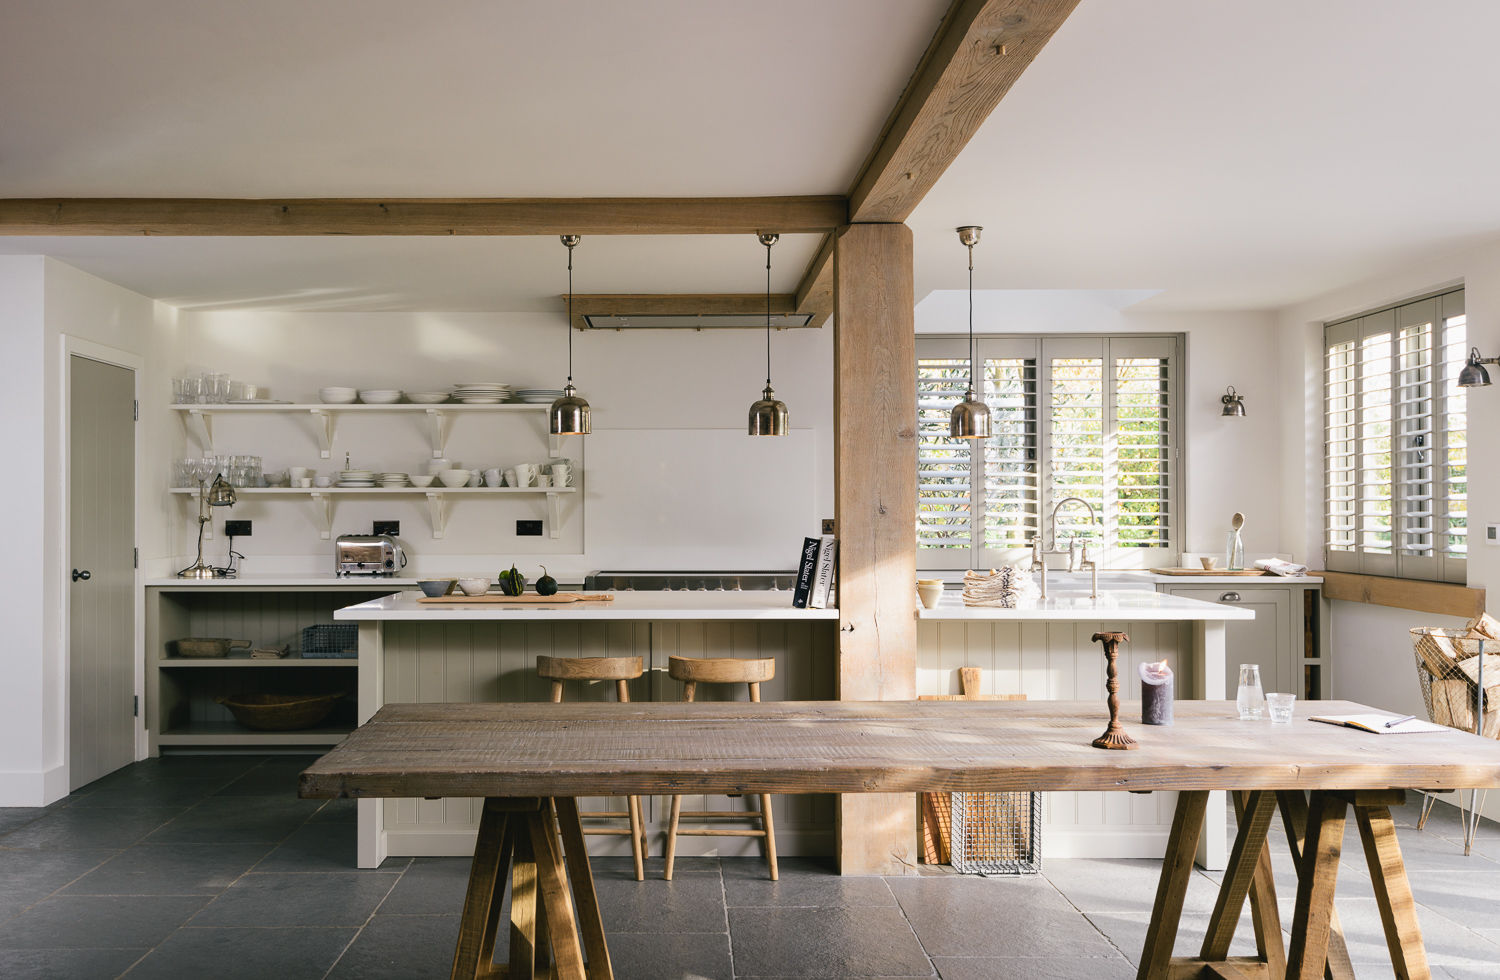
[(198, 866)]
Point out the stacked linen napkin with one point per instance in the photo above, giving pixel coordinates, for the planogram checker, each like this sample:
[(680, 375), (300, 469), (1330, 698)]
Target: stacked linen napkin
[(1278, 567), (999, 588)]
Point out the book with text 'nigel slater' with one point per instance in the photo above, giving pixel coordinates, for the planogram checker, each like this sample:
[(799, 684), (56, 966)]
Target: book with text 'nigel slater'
[(807, 562), (828, 554)]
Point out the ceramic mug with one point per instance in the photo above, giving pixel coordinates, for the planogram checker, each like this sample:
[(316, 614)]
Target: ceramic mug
[(543, 480), (492, 478), (562, 475), (525, 474), (324, 481)]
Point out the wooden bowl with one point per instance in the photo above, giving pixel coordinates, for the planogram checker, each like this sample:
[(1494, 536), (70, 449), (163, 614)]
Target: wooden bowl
[(280, 712)]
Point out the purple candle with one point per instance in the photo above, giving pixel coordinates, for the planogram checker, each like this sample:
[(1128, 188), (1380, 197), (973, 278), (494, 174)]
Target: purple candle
[(1158, 689)]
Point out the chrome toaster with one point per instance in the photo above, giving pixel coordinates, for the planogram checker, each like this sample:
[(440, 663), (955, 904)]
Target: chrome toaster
[(367, 554)]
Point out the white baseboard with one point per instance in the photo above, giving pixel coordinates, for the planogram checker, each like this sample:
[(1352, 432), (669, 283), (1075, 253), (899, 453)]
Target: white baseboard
[(33, 788)]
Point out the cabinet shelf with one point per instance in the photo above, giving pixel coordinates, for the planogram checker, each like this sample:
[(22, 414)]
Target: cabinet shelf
[(174, 663), (234, 734)]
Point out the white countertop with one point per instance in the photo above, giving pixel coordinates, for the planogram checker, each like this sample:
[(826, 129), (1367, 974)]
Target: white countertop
[(288, 578), (1121, 605), (626, 605)]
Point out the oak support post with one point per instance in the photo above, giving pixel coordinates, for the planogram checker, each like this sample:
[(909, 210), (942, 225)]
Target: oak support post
[(875, 492)]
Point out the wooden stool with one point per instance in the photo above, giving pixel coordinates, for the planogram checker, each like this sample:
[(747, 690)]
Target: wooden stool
[(693, 671), (620, 670)]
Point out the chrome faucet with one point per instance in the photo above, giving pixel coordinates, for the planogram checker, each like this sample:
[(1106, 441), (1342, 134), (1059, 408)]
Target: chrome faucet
[(1075, 562)]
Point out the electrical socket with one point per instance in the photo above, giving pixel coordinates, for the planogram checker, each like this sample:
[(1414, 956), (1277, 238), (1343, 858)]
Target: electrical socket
[(828, 526), (393, 528), (528, 529), (237, 529)]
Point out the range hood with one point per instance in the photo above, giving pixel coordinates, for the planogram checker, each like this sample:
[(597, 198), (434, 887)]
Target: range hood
[(693, 321), (683, 311)]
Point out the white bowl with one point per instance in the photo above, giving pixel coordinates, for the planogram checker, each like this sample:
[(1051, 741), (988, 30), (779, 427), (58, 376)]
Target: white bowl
[(473, 586), (426, 397), (454, 478), (420, 480), (380, 396), (337, 396)]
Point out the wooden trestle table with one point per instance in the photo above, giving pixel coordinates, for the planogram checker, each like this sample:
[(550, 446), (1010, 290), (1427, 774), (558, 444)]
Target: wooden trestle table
[(531, 761)]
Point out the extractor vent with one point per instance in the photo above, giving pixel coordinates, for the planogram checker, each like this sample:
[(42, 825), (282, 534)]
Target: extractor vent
[(693, 321)]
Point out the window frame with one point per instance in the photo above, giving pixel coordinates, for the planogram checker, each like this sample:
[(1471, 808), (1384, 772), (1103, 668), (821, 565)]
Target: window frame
[(1043, 348)]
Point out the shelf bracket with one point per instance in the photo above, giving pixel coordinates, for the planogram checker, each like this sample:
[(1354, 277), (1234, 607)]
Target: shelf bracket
[(554, 521), (439, 423), (200, 425), (323, 513), (437, 508), (324, 425)]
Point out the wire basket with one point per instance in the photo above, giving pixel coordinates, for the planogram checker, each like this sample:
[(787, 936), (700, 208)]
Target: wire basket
[(997, 833), (331, 640), (1446, 660)]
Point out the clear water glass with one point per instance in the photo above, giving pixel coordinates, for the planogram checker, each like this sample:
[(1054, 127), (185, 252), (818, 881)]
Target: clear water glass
[(1280, 707), (1251, 697)]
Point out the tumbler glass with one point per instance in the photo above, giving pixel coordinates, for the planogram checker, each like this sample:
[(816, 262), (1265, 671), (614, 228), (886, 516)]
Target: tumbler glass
[(1280, 707), (1251, 697)]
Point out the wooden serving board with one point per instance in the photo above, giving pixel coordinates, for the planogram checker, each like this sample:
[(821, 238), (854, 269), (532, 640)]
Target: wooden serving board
[(495, 598), (1210, 571)]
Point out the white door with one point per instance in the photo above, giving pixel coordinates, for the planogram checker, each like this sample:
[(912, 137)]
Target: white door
[(101, 533)]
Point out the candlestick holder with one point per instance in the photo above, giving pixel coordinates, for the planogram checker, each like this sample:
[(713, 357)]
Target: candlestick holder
[(1114, 736)]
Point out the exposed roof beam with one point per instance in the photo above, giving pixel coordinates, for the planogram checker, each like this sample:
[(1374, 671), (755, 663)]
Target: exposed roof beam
[(422, 216), (980, 50), (815, 291)]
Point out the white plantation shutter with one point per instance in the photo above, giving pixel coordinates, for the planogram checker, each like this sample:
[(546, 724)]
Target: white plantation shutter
[(1070, 417), (1394, 441)]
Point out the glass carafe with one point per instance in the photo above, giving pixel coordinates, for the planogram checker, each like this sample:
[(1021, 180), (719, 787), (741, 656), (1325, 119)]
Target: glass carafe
[(1251, 697)]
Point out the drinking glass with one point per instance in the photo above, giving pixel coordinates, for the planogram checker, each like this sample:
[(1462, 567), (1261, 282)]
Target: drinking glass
[(220, 384), (1251, 697), (1280, 707)]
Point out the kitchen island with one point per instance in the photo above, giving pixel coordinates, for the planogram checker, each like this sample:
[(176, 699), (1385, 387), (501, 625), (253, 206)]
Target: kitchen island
[(430, 652)]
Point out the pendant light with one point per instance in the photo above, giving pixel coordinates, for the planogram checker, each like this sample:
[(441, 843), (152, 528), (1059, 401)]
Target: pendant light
[(970, 418), (569, 415), (768, 415)]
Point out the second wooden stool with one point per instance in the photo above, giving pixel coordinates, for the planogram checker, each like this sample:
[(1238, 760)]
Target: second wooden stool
[(693, 671), (621, 670)]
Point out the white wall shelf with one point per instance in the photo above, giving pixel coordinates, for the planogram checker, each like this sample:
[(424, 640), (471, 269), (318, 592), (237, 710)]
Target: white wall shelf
[(324, 498), (199, 420)]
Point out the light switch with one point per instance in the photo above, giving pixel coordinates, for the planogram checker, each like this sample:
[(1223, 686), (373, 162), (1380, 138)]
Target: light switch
[(1492, 534)]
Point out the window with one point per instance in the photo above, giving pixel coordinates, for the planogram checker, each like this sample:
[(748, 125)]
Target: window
[(1085, 417), (1396, 486)]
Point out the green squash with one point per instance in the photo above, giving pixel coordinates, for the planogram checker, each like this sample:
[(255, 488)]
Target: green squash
[(512, 582), (546, 585)]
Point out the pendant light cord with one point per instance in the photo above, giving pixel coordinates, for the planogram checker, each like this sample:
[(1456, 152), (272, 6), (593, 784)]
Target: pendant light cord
[(768, 315), (971, 322), (570, 313)]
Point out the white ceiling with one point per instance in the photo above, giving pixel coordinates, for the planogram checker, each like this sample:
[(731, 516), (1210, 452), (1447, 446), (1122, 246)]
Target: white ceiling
[(1229, 156)]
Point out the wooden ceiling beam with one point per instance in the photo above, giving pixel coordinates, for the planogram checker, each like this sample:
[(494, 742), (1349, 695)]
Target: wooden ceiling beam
[(980, 50), (422, 216)]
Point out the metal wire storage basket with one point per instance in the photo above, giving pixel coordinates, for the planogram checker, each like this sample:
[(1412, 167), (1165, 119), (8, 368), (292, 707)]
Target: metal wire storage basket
[(1449, 690), (997, 833), (331, 640)]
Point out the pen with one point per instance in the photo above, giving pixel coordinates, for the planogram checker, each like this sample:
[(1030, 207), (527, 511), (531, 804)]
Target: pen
[(1396, 721)]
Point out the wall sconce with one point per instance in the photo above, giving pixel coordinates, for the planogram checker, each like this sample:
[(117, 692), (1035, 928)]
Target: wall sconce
[(1234, 403), (1473, 374)]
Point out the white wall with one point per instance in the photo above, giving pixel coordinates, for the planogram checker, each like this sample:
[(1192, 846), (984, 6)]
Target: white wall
[(1231, 464), (669, 410)]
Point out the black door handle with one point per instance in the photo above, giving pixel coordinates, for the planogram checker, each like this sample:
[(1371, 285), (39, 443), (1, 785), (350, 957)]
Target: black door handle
[(85, 575)]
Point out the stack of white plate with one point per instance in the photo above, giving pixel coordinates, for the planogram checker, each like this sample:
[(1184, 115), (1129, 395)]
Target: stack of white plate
[(392, 481), (356, 478), (481, 393), (538, 396)]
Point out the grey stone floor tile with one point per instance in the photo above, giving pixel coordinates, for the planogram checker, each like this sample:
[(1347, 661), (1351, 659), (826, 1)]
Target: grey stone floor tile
[(29, 875), (1448, 943), (95, 922), (1064, 968), (623, 868), (1127, 933), (1418, 850), (1470, 899), (802, 882), (315, 899), (15, 817), (244, 954), (66, 964), (91, 827), (691, 903), (137, 793), (1000, 917), (273, 777), (400, 947), (429, 886), (1122, 885), (320, 847), (170, 869), (236, 820), (673, 956), (337, 811), (847, 942)]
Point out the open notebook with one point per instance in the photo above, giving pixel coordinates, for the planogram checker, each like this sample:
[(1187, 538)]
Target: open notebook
[(1376, 724)]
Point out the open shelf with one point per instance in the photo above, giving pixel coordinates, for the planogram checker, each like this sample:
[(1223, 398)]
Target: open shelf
[(242, 661), (230, 733)]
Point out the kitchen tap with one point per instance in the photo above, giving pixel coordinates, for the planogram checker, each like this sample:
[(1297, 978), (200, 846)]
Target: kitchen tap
[(1039, 556), (1039, 560)]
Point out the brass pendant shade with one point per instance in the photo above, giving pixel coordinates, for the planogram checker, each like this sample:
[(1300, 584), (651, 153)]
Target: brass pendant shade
[(970, 418), (768, 415), (569, 415)]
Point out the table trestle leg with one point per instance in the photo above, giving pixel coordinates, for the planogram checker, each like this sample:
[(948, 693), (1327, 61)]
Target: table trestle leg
[(1244, 861), (1293, 806), (1316, 881), (1171, 889), (590, 919), (1398, 912), (557, 903), (1264, 916), (484, 895), (523, 908)]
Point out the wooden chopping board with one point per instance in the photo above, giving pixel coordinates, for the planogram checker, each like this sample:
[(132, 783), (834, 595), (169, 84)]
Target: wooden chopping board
[(1209, 571), (495, 598)]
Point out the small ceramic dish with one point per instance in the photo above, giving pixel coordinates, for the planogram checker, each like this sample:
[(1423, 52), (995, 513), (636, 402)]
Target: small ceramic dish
[(421, 480), (473, 586), (432, 588)]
